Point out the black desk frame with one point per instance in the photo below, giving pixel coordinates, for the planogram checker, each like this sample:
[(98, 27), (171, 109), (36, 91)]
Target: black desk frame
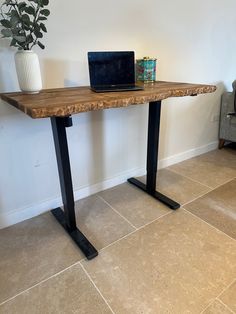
[(67, 217)]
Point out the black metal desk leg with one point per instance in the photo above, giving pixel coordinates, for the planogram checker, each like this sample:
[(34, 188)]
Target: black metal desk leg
[(152, 157), (67, 217), (154, 117)]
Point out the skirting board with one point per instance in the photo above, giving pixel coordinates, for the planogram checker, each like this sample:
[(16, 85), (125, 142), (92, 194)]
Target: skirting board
[(166, 162), (21, 214)]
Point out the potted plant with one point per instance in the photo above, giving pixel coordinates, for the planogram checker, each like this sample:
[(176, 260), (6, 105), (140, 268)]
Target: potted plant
[(23, 23)]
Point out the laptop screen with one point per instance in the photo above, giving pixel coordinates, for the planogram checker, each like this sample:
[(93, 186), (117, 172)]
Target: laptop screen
[(111, 68)]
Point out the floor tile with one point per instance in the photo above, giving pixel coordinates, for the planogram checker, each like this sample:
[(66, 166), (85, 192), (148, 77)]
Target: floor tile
[(38, 248), (99, 222), (169, 266), (218, 208), (177, 187), (217, 308), (32, 251), (135, 205), (68, 292), (229, 297), (212, 169)]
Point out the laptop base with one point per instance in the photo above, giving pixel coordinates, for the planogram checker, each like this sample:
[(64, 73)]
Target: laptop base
[(103, 89)]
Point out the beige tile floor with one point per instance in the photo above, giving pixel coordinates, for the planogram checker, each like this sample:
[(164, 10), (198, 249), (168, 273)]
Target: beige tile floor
[(151, 259)]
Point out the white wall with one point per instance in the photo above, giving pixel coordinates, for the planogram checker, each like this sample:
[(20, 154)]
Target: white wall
[(193, 42)]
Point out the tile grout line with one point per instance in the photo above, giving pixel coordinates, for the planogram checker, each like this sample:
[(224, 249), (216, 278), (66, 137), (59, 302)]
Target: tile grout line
[(232, 282), (148, 223), (218, 186), (222, 232), (182, 206), (225, 306), (125, 236), (217, 297), (203, 219), (207, 192), (187, 177), (212, 188), (197, 197), (83, 259), (93, 283), (136, 229), (116, 211), (208, 305), (39, 283)]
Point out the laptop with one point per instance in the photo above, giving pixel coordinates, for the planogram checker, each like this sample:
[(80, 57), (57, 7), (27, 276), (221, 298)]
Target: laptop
[(112, 71)]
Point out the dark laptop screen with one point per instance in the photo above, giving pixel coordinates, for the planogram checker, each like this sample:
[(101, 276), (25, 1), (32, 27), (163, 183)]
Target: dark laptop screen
[(111, 68)]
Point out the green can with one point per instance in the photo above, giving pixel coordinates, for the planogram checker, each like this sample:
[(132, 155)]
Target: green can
[(146, 69)]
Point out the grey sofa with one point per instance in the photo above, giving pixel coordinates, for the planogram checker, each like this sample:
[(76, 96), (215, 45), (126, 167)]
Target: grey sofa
[(228, 117)]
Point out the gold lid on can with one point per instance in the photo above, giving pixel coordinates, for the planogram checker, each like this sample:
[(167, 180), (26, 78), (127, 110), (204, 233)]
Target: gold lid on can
[(148, 58)]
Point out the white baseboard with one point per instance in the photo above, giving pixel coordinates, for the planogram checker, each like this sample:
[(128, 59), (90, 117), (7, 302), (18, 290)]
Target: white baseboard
[(18, 215), (166, 162)]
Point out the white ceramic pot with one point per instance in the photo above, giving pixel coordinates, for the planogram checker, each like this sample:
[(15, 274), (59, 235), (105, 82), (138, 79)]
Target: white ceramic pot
[(28, 71)]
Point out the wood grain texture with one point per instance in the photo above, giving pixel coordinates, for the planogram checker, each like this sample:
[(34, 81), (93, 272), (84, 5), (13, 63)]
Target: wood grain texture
[(62, 102)]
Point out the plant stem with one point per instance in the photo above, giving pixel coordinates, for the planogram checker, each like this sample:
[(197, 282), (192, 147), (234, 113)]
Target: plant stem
[(15, 5), (34, 21)]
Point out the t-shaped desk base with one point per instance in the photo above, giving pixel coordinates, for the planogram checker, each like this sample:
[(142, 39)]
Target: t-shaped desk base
[(66, 217), (152, 157)]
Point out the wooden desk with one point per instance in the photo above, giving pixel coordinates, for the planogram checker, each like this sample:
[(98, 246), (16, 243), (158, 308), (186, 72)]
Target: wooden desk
[(59, 104)]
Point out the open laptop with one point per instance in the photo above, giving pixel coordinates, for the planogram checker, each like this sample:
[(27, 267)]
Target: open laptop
[(112, 71)]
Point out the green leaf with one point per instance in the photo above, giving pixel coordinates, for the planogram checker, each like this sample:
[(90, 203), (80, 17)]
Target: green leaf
[(45, 2), (6, 23), (14, 21), (15, 31), (21, 6), (29, 39), (45, 12), (20, 39), (42, 18), (6, 32), (38, 34), (30, 10), (40, 45), (37, 27), (14, 13), (25, 18), (13, 42), (43, 27), (27, 27)]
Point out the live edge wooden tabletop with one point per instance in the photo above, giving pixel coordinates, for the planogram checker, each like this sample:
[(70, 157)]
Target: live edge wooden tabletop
[(63, 102)]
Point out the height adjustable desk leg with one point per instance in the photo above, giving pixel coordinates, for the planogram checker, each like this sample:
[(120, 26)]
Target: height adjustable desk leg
[(152, 157), (66, 217)]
